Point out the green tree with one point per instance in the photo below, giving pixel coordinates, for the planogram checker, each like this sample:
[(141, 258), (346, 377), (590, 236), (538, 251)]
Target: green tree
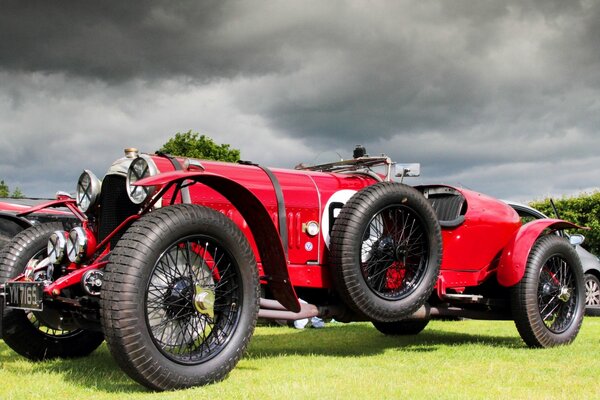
[(17, 194), (4, 192), (194, 145), (583, 210)]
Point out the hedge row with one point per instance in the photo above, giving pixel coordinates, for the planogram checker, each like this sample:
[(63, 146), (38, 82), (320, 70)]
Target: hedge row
[(584, 210)]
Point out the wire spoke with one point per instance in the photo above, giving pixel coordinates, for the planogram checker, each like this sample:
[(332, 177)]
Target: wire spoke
[(394, 252), (181, 331), (557, 294)]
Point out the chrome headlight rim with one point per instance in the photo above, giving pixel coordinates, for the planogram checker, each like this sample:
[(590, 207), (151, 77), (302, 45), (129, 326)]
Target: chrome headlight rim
[(88, 190), (141, 167), (57, 246), (77, 245)]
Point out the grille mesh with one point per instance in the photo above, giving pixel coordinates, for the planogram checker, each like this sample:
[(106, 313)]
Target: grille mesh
[(115, 207)]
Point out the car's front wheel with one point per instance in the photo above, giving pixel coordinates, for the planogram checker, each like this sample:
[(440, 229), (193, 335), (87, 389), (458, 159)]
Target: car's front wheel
[(180, 297)]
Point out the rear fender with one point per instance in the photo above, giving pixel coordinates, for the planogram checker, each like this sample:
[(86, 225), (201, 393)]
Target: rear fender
[(266, 236), (514, 256), (11, 224)]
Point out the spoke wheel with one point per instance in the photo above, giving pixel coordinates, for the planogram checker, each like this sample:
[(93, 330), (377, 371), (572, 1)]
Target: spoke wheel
[(394, 252), (180, 297), (192, 300), (385, 251), (548, 303), (557, 294), (45, 334)]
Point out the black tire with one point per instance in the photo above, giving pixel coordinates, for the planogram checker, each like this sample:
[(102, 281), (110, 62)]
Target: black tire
[(592, 295), (386, 249), (24, 331), (548, 303), (3, 240), (401, 328), (155, 326)]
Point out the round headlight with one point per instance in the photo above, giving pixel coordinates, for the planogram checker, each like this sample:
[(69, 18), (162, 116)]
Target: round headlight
[(140, 168), (56, 246), (79, 244), (88, 190)]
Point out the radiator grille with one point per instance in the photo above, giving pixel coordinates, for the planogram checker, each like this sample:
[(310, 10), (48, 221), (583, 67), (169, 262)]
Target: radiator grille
[(115, 207)]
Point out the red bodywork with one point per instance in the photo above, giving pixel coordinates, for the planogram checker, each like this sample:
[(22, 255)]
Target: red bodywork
[(489, 241), (486, 241)]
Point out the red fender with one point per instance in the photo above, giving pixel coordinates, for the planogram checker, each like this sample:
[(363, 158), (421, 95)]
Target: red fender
[(514, 256), (62, 201), (266, 236)]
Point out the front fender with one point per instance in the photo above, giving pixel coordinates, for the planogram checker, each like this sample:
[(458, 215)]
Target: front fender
[(67, 202), (11, 224), (514, 256), (257, 217)]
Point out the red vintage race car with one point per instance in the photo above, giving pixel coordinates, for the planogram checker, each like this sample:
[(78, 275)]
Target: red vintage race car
[(175, 259)]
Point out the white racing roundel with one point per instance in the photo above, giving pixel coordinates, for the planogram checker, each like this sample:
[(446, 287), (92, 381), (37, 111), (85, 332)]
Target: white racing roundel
[(332, 209)]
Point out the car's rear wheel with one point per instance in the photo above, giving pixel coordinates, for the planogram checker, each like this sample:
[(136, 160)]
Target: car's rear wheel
[(592, 295), (180, 297), (33, 333), (401, 328), (386, 251), (548, 303)]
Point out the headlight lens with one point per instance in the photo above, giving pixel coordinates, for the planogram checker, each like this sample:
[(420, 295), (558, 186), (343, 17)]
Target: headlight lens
[(80, 244), (88, 190), (141, 167), (56, 246)]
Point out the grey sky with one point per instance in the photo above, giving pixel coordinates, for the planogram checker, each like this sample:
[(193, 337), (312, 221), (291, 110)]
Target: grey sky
[(500, 97)]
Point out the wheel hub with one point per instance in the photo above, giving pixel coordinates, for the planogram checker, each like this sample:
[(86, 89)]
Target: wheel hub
[(179, 297), (386, 245), (548, 288), (564, 294), (401, 252), (204, 301)]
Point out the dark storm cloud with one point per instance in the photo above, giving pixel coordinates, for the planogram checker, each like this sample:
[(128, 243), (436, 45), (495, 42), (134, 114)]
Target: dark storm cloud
[(491, 65), (477, 91), (120, 40)]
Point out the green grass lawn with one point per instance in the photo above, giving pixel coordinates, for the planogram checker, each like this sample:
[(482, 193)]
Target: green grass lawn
[(448, 360)]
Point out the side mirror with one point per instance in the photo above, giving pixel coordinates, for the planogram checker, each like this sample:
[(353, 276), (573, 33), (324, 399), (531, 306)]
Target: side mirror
[(408, 170), (576, 240)]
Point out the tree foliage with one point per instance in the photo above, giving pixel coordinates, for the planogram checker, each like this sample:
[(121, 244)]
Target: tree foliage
[(5, 191), (194, 145), (583, 210), (17, 194)]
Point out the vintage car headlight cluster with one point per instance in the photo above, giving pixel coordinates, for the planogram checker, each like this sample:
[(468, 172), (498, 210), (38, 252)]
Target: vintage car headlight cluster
[(57, 244), (88, 190), (75, 245), (141, 167)]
